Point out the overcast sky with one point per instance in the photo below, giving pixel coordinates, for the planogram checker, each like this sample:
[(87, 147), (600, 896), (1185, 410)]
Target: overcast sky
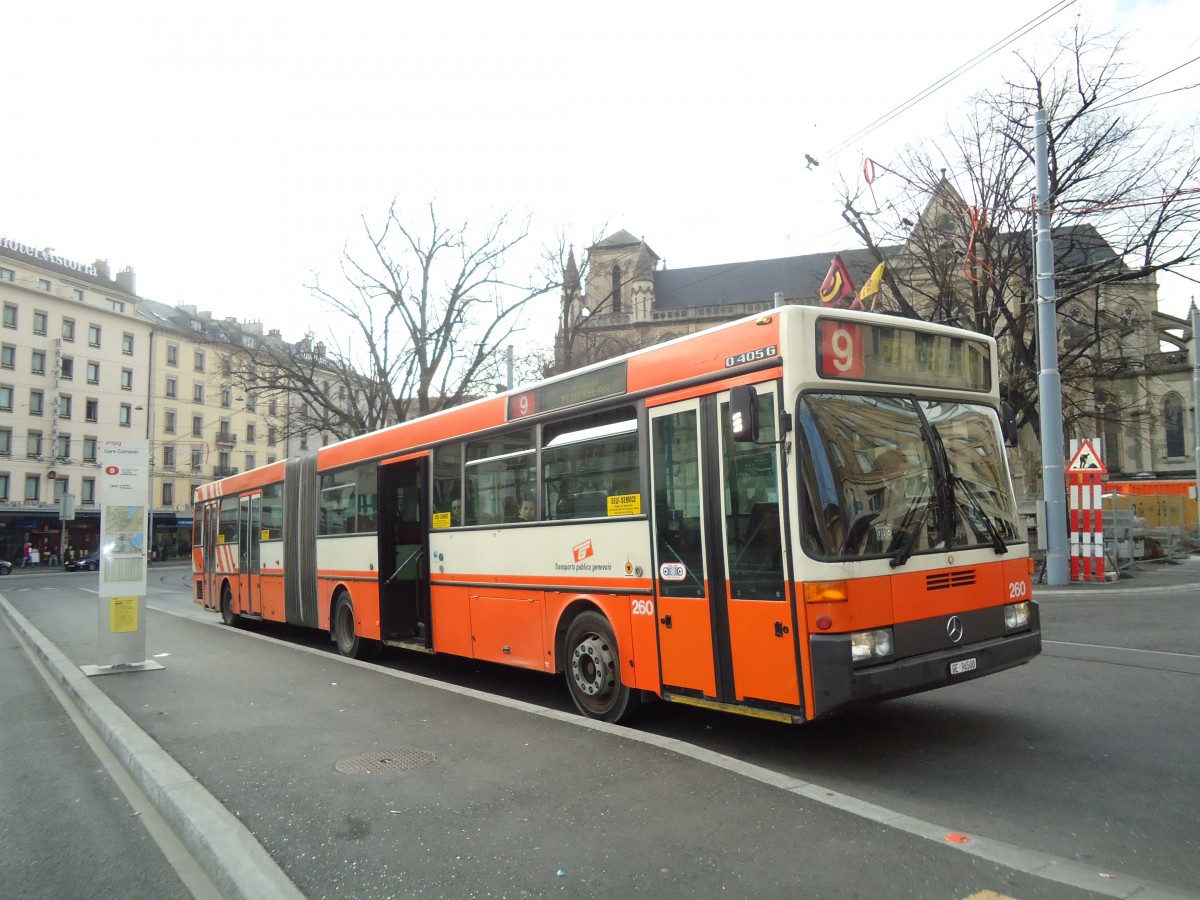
[(227, 150)]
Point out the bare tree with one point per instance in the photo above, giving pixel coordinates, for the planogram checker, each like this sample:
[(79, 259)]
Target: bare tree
[(957, 227), (422, 318)]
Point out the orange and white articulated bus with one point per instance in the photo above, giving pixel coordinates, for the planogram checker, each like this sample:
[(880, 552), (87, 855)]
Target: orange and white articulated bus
[(784, 516)]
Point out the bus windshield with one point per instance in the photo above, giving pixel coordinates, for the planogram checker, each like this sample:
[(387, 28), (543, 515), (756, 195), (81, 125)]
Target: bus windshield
[(886, 476)]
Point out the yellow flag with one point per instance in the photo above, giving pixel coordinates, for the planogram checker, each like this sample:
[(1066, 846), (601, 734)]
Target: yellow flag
[(872, 286)]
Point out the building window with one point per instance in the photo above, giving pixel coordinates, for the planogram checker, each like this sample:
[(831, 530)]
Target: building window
[(62, 447), (172, 389), (168, 493), (226, 398), (250, 436), (64, 406), (250, 462), (69, 330), (44, 284), (197, 393), (77, 294), (89, 449), (87, 492), (93, 335), (66, 368), (272, 435), (41, 322), (33, 487), (172, 354), (197, 424), (37, 362), (127, 344), (8, 357), (6, 395), (91, 410), (4, 487), (127, 379), (197, 459), (93, 372), (125, 415), (272, 407), (5, 442), (169, 421), (616, 289), (1173, 422), (168, 452), (33, 444), (37, 403), (198, 361), (10, 316), (7, 274), (251, 403), (114, 305)]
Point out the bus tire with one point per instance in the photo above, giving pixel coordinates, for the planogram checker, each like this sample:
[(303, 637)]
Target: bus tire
[(593, 670), (228, 616), (349, 643)]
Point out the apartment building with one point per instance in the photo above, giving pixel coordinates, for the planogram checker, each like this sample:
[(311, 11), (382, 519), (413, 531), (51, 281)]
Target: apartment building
[(74, 365)]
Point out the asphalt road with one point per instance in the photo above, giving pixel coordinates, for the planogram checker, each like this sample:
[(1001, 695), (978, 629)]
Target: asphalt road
[(1088, 754)]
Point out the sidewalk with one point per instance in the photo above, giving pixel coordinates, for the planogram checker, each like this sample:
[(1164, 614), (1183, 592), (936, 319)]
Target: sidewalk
[(1149, 575), (291, 771)]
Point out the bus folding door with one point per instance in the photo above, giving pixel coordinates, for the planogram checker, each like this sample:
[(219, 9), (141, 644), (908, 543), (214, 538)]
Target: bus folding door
[(724, 602)]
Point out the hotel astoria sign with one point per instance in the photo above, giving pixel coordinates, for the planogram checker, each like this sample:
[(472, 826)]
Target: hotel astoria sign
[(46, 255)]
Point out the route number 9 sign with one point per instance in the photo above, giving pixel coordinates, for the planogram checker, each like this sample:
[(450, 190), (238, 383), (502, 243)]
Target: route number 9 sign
[(841, 349)]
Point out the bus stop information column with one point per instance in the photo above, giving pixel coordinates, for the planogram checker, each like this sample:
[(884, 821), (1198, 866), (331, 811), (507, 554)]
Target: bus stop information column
[(124, 502)]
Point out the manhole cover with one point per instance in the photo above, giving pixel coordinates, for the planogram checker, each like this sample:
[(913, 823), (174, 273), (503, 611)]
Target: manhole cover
[(384, 761)]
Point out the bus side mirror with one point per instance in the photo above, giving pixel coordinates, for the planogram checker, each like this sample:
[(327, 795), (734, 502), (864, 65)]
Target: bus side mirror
[(1008, 424), (743, 413)]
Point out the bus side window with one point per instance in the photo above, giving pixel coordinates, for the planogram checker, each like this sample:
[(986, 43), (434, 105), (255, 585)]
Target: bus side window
[(447, 482)]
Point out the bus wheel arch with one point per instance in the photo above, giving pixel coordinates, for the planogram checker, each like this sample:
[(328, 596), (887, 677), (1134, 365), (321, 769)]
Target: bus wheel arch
[(342, 630), (591, 663)]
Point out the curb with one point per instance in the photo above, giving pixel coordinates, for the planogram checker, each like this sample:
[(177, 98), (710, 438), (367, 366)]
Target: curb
[(225, 849)]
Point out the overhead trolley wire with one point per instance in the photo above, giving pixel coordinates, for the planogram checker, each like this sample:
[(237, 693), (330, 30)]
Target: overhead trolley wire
[(995, 48)]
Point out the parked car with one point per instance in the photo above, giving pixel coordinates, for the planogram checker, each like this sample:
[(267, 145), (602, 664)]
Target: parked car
[(5, 567), (89, 563)]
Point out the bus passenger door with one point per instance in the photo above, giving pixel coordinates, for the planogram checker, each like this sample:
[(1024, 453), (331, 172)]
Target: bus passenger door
[(685, 615), (762, 639), (725, 623), (404, 552), (250, 555)]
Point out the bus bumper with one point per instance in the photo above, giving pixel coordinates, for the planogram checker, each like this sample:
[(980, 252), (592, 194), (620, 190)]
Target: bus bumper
[(838, 686)]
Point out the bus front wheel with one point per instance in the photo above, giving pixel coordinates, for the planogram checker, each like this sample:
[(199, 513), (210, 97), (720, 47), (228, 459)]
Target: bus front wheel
[(349, 643), (593, 670)]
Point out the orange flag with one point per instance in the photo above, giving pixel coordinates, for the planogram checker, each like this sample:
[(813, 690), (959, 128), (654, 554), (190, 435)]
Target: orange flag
[(837, 285)]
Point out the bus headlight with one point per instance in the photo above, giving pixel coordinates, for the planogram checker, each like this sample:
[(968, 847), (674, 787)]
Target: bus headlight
[(871, 646), (1016, 616)]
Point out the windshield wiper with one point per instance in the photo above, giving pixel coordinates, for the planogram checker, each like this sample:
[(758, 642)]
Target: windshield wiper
[(910, 531), (993, 532)]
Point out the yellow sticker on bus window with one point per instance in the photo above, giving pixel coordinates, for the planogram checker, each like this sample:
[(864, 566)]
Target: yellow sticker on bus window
[(625, 504), (441, 520), (265, 534)]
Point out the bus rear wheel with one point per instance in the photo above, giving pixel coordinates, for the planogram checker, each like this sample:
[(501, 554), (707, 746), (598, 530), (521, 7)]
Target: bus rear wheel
[(349, 643), (228, 616), (593, 670)]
